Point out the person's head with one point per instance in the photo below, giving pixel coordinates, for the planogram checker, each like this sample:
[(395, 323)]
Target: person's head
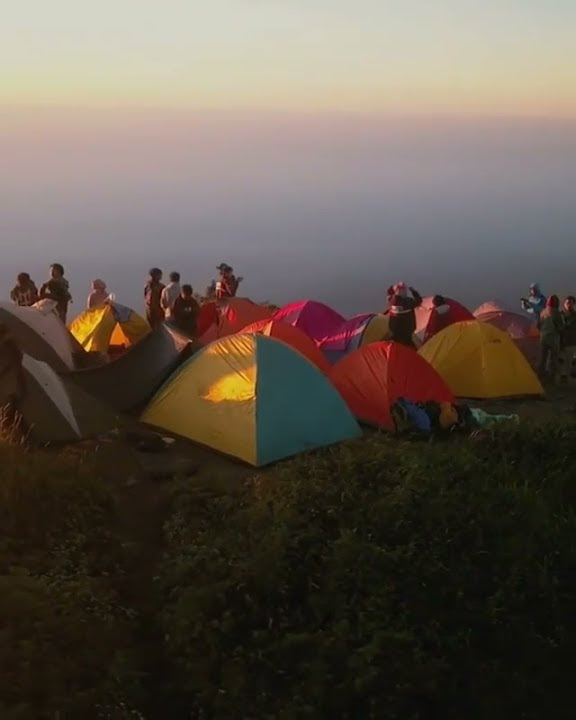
[(438, 300), (174, 277), (56, 271), (187, 291), (535, 289), (224, 269), (23, 279), (99, 285), (569, 303), (553, 302), (155, 274)]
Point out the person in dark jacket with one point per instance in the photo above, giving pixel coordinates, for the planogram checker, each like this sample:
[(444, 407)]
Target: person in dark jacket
[(185, 311), (551, 326), (402, 314), (57, 289), (569, 337), (152, 297)]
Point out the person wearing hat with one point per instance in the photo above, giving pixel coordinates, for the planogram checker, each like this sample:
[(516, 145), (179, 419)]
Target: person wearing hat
[(227, 285)]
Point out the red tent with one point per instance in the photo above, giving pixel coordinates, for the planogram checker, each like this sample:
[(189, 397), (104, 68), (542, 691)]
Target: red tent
[(429, 321), (231, 316), (292, 336), (374, 377)]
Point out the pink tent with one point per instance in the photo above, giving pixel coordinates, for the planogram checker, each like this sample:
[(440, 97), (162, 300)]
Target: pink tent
[(315, 319), (516, 325), (490, 306)]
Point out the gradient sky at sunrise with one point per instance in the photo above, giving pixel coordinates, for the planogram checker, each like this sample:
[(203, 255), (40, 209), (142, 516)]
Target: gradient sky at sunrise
[(456, 56)]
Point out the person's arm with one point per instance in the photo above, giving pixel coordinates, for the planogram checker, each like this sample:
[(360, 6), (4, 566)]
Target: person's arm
[(417, 297), (13, 295), (164, 300), (43, 291)]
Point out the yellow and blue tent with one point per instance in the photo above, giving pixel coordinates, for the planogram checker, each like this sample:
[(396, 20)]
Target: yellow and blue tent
[(254, 398), (109, 325)]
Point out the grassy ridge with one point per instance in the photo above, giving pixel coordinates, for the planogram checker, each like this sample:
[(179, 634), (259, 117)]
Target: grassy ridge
[(379, 579)]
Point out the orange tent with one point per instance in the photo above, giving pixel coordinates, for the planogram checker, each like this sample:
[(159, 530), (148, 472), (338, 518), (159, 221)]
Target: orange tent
[(372, 378), (297, 339), (233, 315)]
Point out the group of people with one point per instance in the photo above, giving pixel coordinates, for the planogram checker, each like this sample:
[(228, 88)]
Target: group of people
[(56, 288), (173, 303), (557, 328)]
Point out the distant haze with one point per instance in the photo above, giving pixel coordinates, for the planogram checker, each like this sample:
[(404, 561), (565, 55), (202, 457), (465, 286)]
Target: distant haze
[(330, 206)]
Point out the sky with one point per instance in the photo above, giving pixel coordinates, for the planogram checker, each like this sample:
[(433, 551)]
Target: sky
[(410, 56)]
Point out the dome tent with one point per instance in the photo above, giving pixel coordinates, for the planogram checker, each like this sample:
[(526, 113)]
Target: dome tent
[(372, 378), (315, 319), (39, 332), (56, 411), (354, 333), (110, 325), (476, 360), (516, 325), (428, 323), (253, 398), (291, 336), (220, 319)]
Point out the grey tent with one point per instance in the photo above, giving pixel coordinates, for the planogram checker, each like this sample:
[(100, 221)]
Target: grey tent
[(55, 410), (128, 382), (40, 333)]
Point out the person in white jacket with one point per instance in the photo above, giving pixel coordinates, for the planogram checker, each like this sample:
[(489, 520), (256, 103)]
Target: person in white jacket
[(170, 293)]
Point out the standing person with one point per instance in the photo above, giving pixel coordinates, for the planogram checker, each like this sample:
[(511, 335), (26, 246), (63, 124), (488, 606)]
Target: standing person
[(170, 293), (152, 296), (185, 311), (227, 286), (25, 292), (57, 289), (98, 295), (535, 302), (551, 326), (569, 337), (402, 316)]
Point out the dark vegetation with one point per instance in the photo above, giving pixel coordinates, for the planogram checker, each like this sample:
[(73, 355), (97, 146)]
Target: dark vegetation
[(380, 579)]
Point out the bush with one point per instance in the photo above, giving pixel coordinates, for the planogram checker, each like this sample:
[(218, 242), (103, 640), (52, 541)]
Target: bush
[(381, 580), (65, 639)]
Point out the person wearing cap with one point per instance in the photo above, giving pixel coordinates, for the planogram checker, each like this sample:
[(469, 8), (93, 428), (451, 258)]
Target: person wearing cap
[(227, 285), (152, 297), (535, 302), (402, 314)]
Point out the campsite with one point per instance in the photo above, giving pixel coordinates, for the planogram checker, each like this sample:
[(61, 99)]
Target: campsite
[(251, 523)]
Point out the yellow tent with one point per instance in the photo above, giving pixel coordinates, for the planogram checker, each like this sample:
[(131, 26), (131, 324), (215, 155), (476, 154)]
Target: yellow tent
[(476, 360), (254, 398), (109, 325)]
